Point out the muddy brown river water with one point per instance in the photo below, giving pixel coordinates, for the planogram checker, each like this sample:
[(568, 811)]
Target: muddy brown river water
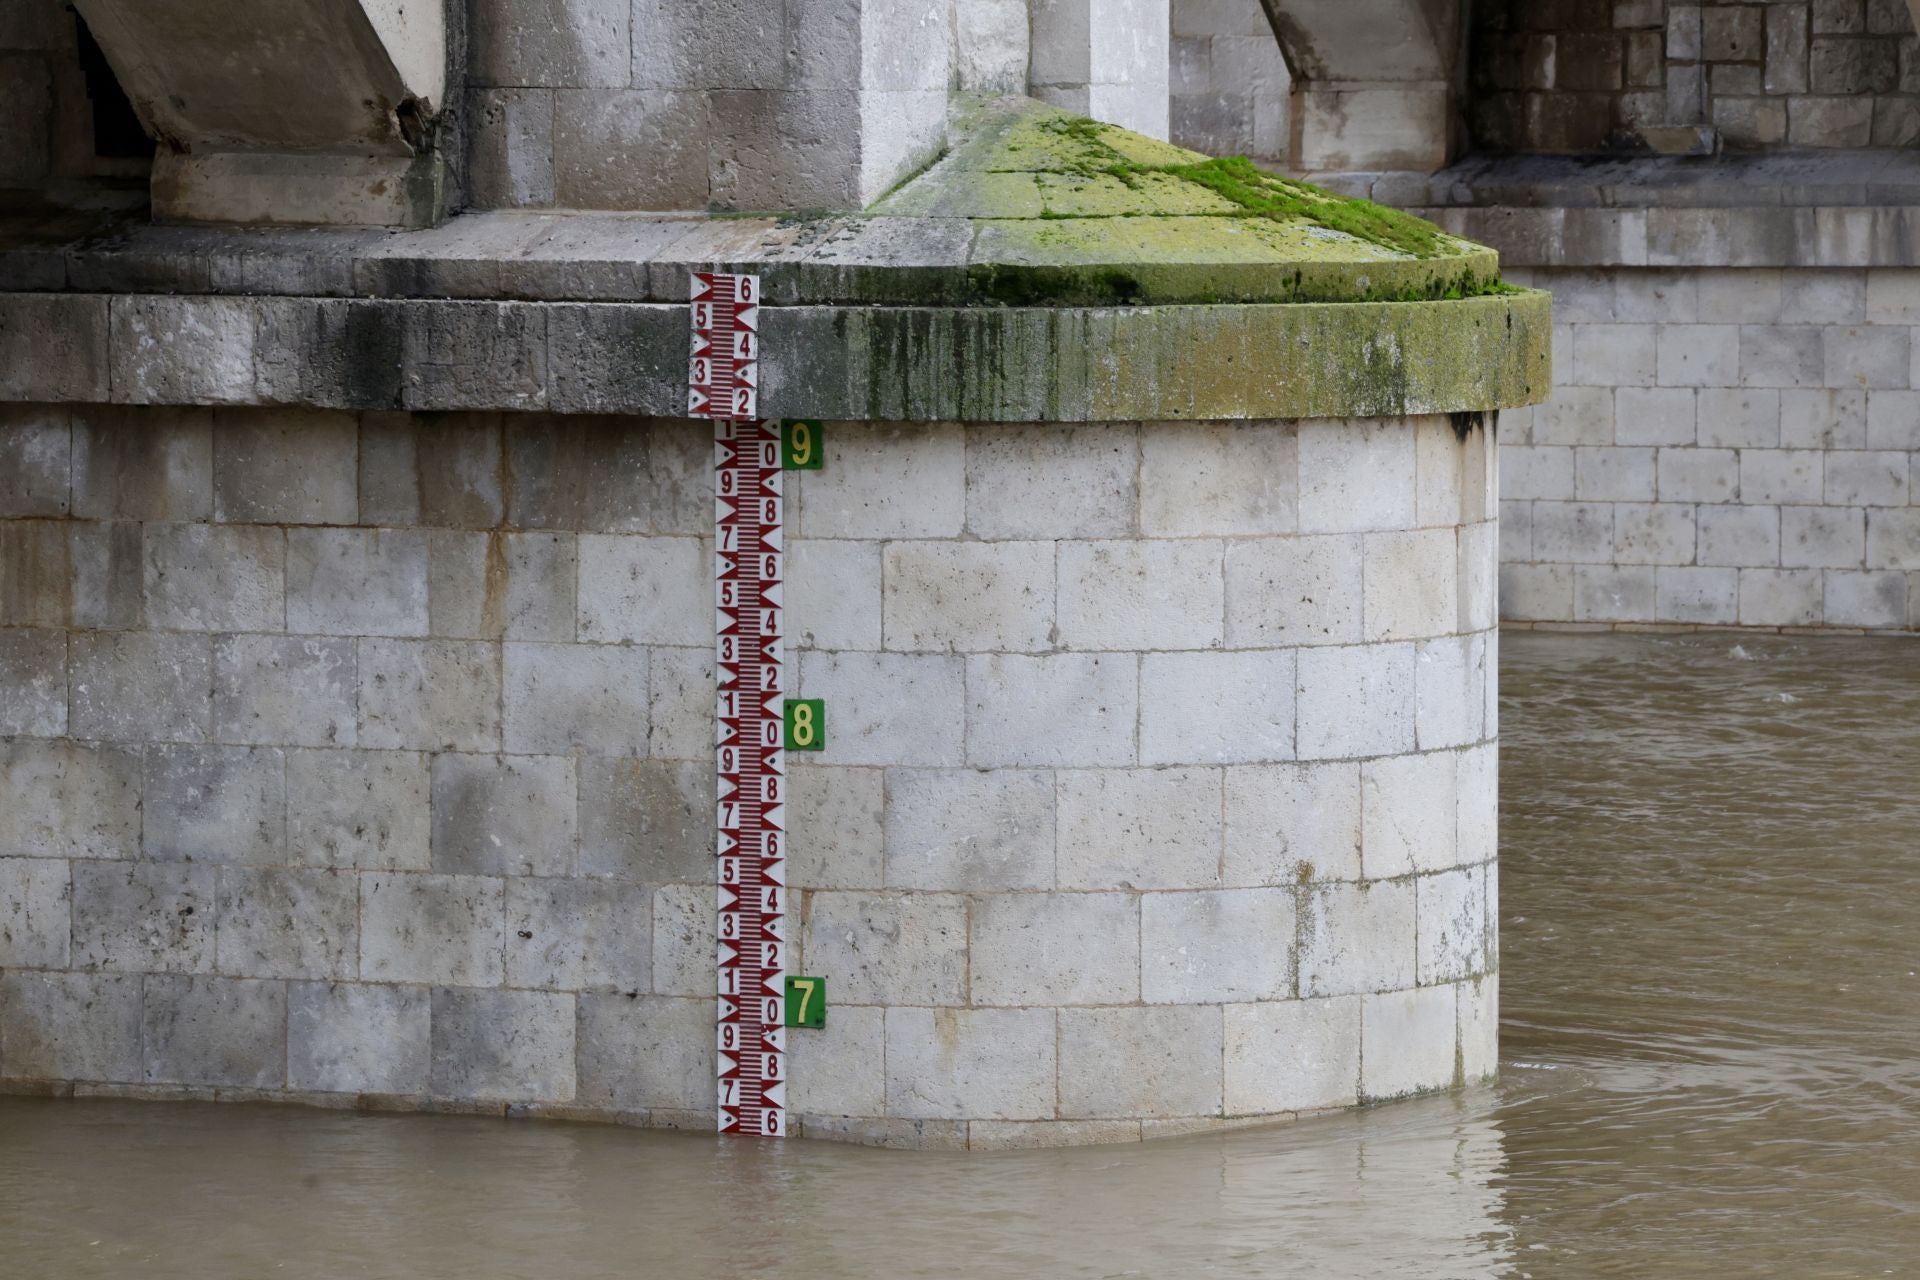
[(1710, 1067)]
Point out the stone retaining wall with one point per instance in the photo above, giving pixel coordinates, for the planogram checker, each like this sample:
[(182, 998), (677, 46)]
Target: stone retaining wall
[(1725, 447), (366, 760)]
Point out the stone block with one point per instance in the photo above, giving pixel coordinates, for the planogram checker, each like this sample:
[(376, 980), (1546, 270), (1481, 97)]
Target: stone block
[(840, 1069), (1479, 1009), (429, 695), (1542, 591), (1357, 938), (1656, 297), (578, 935), (1412, 588), (1750, 297), (182, 350), (891, 949), (1786, 58), (1893, 539), (836, 827), (1407, 814), (443, 470), (1538, 471), (1293, 591), (517, 1045), (36, 460), (348, 1038), (293, 690), (1218, 708), (685, 919), (810, 142), (651, 820), (1356, 700), (1200, 479), (33, 683), (1407, 1042), (1139, 828), (631, 149), (36, 916), (285, 466), (1782, 355), (214, 804), (1516, 532), (1452, 913), (645, 590), (367, 809), (980, 1064), (1739, 418), (1822, 537), (202, 577), (553, 42), (492, 585), (1739, 536), (69, 800), (1289, 824), (865, 693), (581, 473), (565, 697), (1642, 416), (1450, 677), (1829, 122), (1296, 1055), (1698, 475), (1780, 597), (1216, 946), (503, 815), (1696, 594), (1140, 1062), (970, 829), (968, 597), (432, 929), (1781, 476), (1140, 594), (1870, 599), (1870, 356), (1356, 476), (1606, 593), (1893, 420), (1573, 415), (833, 594), (1051, 481), (54, 348), (1612, 355), (1063, 948), (198, 1030), (645, 1051), (70, 1026), (1031, 1135), (510, 148), (888, 481), (1477, 804), (991, 46), (357, 582), (1613, 474), (142, 464), (1653, 533), (1479, 567), (726, 46), (680, 703), (288, 922), (107, 567), (1698, 355)]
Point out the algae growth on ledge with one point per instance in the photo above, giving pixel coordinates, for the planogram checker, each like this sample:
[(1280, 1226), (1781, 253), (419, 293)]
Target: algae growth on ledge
[(1064, 209)]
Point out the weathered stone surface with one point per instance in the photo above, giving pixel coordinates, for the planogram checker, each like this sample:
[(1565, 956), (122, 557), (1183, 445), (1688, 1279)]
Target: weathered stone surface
[(1357, 938), (1288, 824), (1140, 595), (434, 929), (36, 460), (1407, 1040), (644, 590), (840, 1070), (586, 698), (863, 692), (217, 1031), (685, 923), (647, 820), (69, 800), (36, 918), (969, 829), (502, 1044), (1217, 708), (70, 1026), (1217, 946), (644, 1051), (214, 804), (1193, 479), (890, 949), (295, 690), (968, 597), (837, 827), (33, 683), (990, 1064), (1056, 949), (489, 586), (365, 809), (358, 582), (429, 695), (1298, 1055), (1139, 828), (1051, 481), (578, 935), (503, 815), (280, 922), (285, 467), (1065, 709), (1140, 1062), (349, 1038)]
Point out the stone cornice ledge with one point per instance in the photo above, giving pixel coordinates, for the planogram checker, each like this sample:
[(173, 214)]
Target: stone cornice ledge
[(999, 364), (1702, 236)]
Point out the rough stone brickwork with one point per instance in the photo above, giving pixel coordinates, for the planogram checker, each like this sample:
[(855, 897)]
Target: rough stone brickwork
[(46, 116), (1229, 81), (1587, 75), (660, 104), (1724, 447), (366, 760)]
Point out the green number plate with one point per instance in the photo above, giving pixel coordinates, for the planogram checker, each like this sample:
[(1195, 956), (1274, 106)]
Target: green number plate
[(806, 724), (806, 1002), (800, 444)]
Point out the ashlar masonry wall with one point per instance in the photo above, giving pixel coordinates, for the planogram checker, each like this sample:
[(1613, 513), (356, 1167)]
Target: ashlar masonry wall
[(367, 760), (1725, 446)]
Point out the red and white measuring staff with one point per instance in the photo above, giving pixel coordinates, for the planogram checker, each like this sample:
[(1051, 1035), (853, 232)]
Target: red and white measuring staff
[(750, 680)]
